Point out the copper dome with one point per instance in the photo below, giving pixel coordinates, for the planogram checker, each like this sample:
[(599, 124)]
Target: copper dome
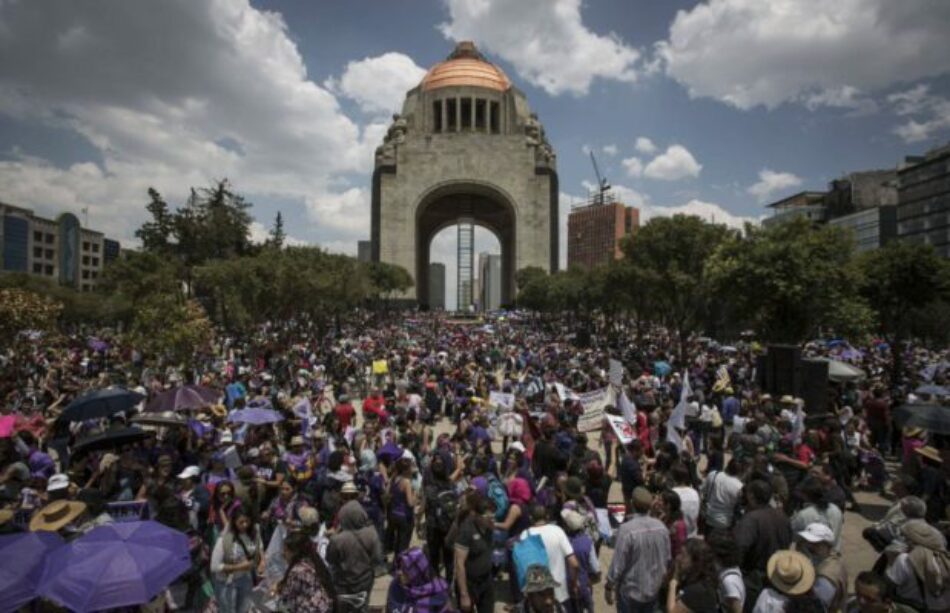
[(465, 66)]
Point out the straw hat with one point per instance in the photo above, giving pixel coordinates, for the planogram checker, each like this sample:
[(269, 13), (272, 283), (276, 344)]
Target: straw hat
[(219, 410), (56, 515), (930, 453), (912, 432), (790, 572)]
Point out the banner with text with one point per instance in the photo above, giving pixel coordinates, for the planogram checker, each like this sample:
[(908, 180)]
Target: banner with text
[(594, 404)]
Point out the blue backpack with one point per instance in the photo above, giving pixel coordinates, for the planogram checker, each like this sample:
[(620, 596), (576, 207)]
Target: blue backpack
[(498, 495), (528, 551)]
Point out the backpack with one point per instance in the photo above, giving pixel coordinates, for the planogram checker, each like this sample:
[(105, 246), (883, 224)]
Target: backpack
[(429, 594), (528, 551), (446, 509), (498, 495)]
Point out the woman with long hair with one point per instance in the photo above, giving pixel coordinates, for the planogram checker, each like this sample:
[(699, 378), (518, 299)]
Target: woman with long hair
[(223, 504), (667, 510), (237, 556), (307, 586), (693, 587), (401, 506)]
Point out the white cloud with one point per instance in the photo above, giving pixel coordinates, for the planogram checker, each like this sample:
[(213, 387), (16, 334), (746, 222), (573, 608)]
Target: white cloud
[(227, 96), (261, 233), (911, 101), (378, 84), (748, 52), (610, 150), (545, 40), (645, 145), (929, 114), (709, 211), (673, 164), (771, 182), (844, 97), (633, 166)]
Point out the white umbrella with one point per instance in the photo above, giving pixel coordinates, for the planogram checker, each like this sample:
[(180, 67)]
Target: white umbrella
[(842, 372)]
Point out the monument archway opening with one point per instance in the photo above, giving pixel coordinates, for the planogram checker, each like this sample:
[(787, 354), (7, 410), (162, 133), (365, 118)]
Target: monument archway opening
[(480, 205)]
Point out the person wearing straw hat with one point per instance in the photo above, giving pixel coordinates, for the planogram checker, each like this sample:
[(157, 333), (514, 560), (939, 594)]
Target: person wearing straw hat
[(791, 576), (57, 516)]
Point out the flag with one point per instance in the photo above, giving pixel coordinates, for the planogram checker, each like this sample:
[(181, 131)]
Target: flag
[(627, 409), (678, 416), (565, 393)]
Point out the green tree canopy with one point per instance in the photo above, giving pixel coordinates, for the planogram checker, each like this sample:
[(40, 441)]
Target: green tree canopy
[(787, 280)]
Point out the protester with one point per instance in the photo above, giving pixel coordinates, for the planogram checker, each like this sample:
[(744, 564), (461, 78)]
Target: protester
[(641, 558)]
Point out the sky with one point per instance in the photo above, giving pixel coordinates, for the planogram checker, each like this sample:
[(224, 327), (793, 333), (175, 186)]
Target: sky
[(714, 107)]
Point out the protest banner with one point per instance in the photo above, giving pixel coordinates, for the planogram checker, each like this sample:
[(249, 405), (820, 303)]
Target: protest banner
[(565, 393), (594, 404)]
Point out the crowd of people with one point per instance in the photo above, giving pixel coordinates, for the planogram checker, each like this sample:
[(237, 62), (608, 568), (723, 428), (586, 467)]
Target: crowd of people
[(468, 463)]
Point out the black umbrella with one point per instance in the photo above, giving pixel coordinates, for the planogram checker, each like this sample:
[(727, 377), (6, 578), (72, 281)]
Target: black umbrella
[(931, 417), (110, 439), (101, 403)]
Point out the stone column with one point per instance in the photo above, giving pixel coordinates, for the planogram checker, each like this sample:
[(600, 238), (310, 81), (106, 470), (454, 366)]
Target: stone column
[(443, 109), (487, 116), (472, 118), (458, 114)]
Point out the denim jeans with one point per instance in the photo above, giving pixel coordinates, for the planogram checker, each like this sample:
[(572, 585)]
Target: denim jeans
[(629, 605), (234, 596)]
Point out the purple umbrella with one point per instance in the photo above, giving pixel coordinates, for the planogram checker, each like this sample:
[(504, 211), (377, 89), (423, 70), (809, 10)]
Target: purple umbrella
[(117, 565), (185, 398), (256, 416), (389, 453), (26, 552)]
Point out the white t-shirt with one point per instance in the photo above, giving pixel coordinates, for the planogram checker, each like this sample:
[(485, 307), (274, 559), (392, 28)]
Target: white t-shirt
[(723, 493), (689, 505), (558, 547), (770, 601), (901, 572), (731, 585)]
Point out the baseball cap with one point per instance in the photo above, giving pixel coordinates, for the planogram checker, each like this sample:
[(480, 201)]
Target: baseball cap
[(189, 473), (817, 533), (517, 446)]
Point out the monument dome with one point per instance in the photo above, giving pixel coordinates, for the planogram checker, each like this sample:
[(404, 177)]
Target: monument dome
[(465, 66)]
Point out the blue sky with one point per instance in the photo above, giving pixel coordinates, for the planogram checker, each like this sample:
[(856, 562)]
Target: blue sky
[(712, 107)]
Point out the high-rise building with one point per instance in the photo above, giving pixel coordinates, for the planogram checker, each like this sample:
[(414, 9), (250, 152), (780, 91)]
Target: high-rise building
[(489, 281), (437, 286), (364, 251), (60, 250), (923, 211), (594, 231)]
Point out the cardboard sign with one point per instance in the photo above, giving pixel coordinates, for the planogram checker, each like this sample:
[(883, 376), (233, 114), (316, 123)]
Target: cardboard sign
[(624, 431), (594, 404)]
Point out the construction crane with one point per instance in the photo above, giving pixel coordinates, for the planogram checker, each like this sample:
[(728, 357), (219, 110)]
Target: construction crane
[(602, 186)]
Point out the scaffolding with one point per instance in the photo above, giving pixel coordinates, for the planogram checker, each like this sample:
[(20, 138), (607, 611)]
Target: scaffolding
[(466, 262)]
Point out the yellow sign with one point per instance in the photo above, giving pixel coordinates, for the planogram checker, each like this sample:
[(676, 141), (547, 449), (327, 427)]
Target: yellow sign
[(380, 367)]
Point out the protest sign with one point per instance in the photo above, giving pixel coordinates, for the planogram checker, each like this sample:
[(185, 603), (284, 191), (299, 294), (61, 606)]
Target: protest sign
[(625, 432), (565, 393), (380, 367), (502, 400), (594, 404)]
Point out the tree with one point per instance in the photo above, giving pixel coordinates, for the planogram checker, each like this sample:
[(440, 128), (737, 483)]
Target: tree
[(156, 234), (904, 284), (671, 255), (22, 310), (277, 235), (388, 279), (526, 275), (167, 327), (789, 279)]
